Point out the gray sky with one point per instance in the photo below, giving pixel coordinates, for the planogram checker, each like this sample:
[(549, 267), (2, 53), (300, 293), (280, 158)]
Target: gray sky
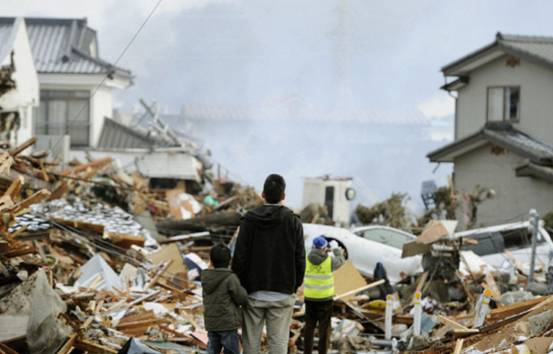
[(239, 52)]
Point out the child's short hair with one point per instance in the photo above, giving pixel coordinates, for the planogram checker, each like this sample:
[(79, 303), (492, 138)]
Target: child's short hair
[(219, 256)]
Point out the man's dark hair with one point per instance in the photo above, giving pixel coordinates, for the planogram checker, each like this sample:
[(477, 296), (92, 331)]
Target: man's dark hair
[(219, 256), (274, 188)]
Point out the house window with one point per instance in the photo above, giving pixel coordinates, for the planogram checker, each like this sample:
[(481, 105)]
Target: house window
[(64, 112), (504, 103)]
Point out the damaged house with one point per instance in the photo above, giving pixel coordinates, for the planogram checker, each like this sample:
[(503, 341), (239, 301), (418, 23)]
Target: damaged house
[(75, 83), (503, 128), (59, 89)]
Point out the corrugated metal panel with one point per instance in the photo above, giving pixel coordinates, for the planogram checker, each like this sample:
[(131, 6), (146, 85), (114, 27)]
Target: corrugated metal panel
[(117, 136), (49, 43), (5, 34)]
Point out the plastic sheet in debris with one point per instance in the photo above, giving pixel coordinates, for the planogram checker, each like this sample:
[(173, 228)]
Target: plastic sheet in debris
[(36, 299), (183, 206), (195, 265), (135, 346), (133, 278), (98, 267), (158, 309), (45, 332), (170, 347), (474, 264), (342, 328)]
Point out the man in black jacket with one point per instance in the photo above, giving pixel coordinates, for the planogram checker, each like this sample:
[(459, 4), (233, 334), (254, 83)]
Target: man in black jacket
[(269, 260)]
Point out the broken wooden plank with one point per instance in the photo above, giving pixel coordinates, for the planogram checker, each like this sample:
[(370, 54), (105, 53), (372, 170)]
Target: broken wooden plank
[(420, 284), (81, 225), (20, 148), (4, 349), (96, 164), (125, 240), (490, 282), (458, 346), (91, 347), (19, 251), (60, 191), (33, 199), (68, 346), (363, 288), (6, 162), (347, 278), (509, 310), (454, 325), (160, 271)]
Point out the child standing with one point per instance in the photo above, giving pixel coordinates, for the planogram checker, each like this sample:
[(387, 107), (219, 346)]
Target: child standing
[(222, 295), (318, 291)]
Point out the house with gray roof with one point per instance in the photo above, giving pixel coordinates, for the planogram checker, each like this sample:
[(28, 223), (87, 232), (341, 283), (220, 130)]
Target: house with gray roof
[(75, 83), (503, 127)]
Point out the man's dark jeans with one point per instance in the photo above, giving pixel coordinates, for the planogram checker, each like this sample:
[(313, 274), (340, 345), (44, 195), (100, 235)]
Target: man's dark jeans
[(317, 312), (226, 340)]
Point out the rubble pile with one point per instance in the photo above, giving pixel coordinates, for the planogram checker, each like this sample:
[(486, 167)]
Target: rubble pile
[(83, 268), (92, 260)]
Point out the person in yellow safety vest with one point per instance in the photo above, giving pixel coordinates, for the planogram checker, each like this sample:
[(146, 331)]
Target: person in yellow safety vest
[(318, 291)]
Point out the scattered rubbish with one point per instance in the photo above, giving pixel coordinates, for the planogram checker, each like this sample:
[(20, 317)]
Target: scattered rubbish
[(134, 346), (97, 274), (92, 260)]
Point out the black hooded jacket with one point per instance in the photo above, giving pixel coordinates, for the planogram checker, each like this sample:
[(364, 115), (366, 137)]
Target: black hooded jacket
[(222, 294), (270, 253)]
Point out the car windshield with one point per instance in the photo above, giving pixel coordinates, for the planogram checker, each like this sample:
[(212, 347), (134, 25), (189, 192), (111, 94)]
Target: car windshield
[(499, 242), (386, 237)]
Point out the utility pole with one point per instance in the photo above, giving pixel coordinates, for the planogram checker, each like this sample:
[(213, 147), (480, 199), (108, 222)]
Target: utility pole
[(535, 222)]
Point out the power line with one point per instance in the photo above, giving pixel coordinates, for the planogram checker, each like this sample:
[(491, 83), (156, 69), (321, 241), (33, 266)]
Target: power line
[(123, 52)]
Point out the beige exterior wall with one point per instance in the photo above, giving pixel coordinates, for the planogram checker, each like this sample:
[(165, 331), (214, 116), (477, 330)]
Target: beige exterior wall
[(514, 195), (536, 98)]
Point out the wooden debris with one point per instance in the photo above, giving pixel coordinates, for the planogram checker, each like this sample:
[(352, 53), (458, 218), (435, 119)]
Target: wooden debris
[(458, 346), (363, 288)]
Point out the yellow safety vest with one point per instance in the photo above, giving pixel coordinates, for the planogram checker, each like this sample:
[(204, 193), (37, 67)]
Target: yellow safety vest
[(319, 281)]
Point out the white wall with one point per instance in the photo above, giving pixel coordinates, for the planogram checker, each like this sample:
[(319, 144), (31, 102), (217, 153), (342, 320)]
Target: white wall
[(314, 192), (514, 195), (101, 107), (26, 94), (536, 98)]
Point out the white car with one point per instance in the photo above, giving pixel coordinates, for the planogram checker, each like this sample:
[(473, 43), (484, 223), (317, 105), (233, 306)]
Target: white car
[(368, 246)]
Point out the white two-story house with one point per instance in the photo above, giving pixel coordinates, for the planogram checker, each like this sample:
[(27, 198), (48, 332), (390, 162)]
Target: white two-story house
[(503, 127), (75, 84)]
